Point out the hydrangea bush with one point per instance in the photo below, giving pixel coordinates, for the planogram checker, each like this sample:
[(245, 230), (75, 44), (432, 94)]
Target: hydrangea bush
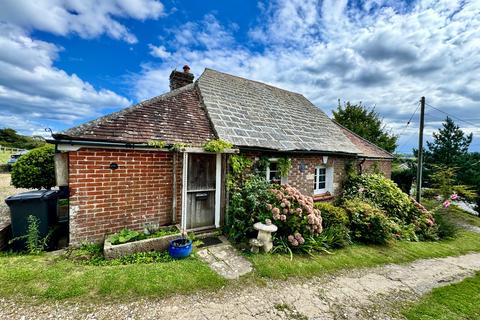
[(294, 214)]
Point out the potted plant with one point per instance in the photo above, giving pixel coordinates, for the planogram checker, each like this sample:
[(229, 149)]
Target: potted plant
[(180, 248)]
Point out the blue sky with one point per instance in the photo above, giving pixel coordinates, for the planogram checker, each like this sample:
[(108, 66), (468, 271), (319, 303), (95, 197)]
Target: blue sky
[(65, 62)]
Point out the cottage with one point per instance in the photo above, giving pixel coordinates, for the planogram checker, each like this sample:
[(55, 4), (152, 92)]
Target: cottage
[(118, 178)]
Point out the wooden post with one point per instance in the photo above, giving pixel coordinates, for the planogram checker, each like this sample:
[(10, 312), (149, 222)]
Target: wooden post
[(420, 151)]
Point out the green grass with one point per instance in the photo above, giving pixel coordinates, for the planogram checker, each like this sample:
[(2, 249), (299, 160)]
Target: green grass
[(51, 278), (455, 301), (279, 266), (4, 156)]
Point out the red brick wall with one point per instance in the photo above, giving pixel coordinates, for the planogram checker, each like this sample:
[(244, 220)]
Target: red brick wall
[(303, 181), (103, 201), (383, 166)]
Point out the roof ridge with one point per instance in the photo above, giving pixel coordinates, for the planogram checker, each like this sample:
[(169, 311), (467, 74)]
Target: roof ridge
[(250, 80), (362, 138), (130, 108)]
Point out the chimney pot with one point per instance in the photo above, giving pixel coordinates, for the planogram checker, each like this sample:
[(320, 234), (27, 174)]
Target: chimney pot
[(179, 79)]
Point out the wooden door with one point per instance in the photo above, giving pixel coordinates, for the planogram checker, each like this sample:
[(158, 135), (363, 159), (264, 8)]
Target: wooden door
[(200, 191)]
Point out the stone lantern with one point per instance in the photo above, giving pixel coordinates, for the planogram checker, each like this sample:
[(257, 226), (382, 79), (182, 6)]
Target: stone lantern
[(265, 231)]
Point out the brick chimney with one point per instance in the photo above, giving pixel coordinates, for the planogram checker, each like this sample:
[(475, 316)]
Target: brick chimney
[(179, 79)]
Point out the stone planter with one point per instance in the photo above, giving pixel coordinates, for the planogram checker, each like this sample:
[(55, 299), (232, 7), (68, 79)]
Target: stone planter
[(111, 251)]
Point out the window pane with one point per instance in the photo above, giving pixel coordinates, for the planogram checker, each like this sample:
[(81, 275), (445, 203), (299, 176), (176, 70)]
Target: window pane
[(321, 185), (274, 175)]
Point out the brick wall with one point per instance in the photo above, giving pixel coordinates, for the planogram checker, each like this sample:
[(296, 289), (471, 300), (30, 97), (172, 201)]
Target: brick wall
[(103, 201), (304, 181), (383, 166)]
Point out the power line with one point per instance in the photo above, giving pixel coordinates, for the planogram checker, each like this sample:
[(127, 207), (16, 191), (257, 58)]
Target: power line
[(455, 117), (410, 120)]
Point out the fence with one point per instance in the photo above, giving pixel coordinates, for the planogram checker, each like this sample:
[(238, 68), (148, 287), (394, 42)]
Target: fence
[(10, 150)]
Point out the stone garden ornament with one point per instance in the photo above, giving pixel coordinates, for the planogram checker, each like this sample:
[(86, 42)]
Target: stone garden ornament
[(264, 237)]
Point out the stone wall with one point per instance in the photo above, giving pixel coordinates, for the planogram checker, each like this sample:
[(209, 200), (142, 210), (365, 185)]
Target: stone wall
[(104, 201)]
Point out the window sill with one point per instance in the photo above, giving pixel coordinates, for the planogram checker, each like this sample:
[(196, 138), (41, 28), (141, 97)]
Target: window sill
[(327, 196)]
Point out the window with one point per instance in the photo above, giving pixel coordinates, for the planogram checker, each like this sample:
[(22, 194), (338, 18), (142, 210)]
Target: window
[(273, 174), (320, 182)]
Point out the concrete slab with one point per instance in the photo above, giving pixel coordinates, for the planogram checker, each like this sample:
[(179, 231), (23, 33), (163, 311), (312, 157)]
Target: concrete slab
[(224, 259)]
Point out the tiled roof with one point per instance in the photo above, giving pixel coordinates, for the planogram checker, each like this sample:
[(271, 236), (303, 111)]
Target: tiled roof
[(172, 117), (253, 114), (367, 149)]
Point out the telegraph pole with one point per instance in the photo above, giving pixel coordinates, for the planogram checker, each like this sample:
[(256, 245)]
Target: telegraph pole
[(420, 150)]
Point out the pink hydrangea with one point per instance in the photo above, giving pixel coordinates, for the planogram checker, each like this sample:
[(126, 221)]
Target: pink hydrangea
[(269, 206), (275, 211), (283, 217)]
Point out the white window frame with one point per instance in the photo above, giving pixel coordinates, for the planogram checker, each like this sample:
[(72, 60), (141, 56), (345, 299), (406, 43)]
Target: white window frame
[(316, 177), (283, 180), (328, 180)]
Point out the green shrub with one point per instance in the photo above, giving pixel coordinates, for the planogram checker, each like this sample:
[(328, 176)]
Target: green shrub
[(332, 215), (446, 228), (336, 236), (35, 169), (398, 206), (247, 205), (217, 145), (369, 224)]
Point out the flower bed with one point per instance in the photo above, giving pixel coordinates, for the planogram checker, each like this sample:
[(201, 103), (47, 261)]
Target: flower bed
[(158, 241)]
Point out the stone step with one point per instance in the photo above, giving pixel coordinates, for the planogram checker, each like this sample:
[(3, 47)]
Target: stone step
[(225, 260)]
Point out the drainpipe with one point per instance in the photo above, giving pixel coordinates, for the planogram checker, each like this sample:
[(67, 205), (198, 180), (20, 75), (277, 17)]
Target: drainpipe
[(360, 165), (174, 202)]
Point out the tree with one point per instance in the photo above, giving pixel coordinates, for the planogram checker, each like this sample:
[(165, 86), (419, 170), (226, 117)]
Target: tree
[(449, 145), (36, 169), (366, 123), (10, 138)]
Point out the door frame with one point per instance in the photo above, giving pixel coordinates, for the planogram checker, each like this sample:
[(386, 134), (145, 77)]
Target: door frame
[(218, 187)]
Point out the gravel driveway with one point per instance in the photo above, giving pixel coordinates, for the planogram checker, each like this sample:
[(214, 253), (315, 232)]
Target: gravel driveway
[(6, 190), (360, 294)]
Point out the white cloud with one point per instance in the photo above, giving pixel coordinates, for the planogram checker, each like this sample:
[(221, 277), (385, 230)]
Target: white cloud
[(30, 86), (159, 52), (86, 18), (385, 54)]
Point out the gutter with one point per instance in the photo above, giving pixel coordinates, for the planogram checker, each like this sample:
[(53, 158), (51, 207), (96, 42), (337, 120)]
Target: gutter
[(242, 149), (75, 145)]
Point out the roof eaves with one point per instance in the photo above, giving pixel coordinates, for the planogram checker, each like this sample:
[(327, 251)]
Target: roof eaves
[(391, 156)]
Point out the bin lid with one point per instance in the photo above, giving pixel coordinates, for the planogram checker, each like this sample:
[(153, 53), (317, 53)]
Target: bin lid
[(32, 195)]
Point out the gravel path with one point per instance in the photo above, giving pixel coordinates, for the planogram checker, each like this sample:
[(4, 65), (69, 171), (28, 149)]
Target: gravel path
[(359, 294)]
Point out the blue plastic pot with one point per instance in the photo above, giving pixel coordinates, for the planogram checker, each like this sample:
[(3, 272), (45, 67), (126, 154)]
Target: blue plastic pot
[(178, 250)]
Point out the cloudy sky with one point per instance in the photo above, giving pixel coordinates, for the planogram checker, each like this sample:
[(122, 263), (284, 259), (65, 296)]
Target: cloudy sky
[(64, 62)]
